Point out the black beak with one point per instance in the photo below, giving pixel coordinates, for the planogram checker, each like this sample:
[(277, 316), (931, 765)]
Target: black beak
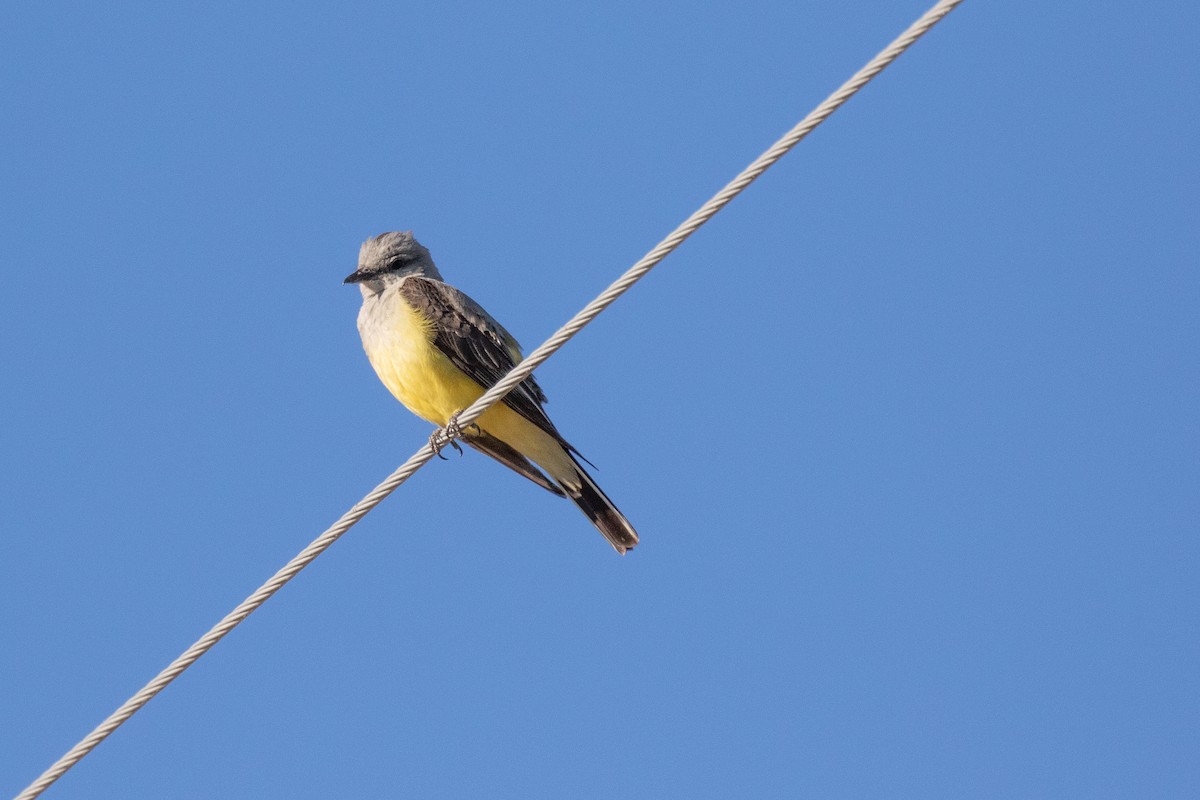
[(354, 277)]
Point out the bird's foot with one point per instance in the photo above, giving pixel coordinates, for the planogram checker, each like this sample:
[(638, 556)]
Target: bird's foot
[(439, 439), (450, 434)]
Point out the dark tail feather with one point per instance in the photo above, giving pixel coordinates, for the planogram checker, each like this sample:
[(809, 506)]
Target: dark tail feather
[(600, 510), (490, 445)]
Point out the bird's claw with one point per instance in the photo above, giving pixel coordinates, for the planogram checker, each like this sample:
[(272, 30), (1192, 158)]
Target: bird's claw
[(437, 442), (450, 433)]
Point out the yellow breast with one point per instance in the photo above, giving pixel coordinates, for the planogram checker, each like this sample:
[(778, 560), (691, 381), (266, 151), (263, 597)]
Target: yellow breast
[(399, 345)]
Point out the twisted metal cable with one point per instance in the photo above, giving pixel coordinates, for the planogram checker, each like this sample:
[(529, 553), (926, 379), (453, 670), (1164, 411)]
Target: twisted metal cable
[(492, 396)]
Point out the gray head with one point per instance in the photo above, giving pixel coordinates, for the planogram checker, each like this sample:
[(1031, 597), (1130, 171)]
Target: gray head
[(390, 256)]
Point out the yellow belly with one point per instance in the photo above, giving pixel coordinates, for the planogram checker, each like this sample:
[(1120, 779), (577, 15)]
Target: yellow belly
[(399, 344)]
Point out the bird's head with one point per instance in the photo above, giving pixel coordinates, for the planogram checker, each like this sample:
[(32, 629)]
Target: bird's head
[(391, 256)]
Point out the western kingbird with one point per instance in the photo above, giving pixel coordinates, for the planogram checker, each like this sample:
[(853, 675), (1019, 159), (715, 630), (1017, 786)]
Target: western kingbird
[(437, 351)]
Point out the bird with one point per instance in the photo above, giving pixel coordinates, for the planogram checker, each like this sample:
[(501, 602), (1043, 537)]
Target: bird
[(437, 351)]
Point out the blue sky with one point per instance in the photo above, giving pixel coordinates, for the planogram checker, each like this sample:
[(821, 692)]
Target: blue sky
[(909, 431)]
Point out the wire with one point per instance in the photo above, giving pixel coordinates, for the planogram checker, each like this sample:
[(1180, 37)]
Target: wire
[(493, 395)]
